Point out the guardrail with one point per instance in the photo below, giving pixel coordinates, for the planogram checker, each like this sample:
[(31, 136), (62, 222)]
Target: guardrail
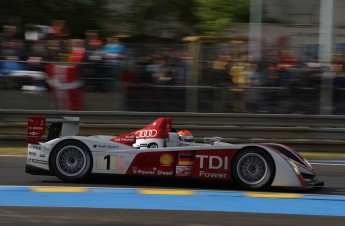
[(320, 133)]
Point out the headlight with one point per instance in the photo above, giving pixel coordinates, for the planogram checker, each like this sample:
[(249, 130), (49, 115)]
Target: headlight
[(294, 167), (308, 164)]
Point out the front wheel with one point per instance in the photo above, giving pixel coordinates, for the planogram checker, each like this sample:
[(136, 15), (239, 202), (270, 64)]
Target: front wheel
[(152, 145), (253, 169), (71, 161)]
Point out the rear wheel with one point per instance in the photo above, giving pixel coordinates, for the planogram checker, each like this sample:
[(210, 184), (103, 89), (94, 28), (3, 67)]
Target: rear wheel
[(253, 169), (71, 161)]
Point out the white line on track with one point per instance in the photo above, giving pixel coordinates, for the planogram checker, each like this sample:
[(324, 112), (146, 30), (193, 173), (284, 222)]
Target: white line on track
[(328, 164)]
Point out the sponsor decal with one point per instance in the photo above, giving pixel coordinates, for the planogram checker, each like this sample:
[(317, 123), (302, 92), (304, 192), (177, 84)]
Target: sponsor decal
[(107, 146), (144, 172), (33, 133), (127, 138), (42, 155), (36, 129), (213, 175), (186, 159), (146, 133), (32, 149), (153, 172), (184, 170), (32, 153), (214, 162), (38, 161), (165, 173), (37, 147), (166, 160), (213, 166)]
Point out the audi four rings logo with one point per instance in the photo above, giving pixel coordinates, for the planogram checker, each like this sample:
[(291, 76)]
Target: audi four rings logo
[(146, 133)]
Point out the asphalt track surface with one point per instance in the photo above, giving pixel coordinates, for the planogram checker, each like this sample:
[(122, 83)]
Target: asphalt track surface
[(12, 173)]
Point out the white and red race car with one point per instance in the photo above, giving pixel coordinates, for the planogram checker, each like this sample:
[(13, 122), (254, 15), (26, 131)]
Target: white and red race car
[(156, 150)]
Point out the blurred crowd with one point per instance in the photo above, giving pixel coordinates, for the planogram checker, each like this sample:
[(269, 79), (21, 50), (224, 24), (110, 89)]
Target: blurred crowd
[(281, 82)]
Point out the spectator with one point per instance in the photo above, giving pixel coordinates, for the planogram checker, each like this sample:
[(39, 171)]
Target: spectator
[(181, 70), (77, 53), (92, 71), (254, 95), (113, 55), (53, 50), (58, 30), (37, 54), (339, 90), (11, 43), (12, 50), (92, 38), (158, 68), (10, 33), (221, 69), (113, 49), (237, 73)]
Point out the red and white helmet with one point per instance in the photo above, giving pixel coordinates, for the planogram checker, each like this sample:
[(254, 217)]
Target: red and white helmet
[(185, 135)]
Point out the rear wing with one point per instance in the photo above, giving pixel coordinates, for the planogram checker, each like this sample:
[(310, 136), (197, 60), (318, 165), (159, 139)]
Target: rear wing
[(37, 125)]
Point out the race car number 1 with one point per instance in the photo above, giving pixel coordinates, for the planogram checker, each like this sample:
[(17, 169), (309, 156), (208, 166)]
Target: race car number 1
[(106, 162)]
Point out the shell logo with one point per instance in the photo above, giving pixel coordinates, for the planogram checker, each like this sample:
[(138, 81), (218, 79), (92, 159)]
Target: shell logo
[(166, 160)]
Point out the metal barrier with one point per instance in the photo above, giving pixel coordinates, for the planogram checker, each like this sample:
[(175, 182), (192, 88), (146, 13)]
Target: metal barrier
[(303, 132)]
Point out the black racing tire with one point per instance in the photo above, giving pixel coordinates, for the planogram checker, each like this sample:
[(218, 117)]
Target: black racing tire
[(253, 169), (152, 145), (71, 161)]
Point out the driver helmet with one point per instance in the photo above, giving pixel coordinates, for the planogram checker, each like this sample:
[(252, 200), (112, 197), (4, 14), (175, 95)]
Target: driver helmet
[(185, 135)]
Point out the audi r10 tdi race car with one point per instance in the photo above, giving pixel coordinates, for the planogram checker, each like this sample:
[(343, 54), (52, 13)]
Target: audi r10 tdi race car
[(158, 151)]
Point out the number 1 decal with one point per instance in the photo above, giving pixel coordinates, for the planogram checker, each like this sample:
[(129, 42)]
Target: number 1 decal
[(107, 157), (107, 162)]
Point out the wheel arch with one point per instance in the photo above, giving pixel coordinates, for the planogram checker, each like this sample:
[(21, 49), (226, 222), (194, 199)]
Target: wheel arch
[(70, 140), (149, 145), (254, 148)]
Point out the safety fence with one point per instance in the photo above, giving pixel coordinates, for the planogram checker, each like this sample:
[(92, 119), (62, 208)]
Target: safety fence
[(130, 86), (157, 98), (303, 132)]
